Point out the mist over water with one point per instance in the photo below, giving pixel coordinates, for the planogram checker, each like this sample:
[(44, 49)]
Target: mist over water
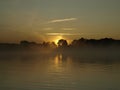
[(59, 44), (88, 69)]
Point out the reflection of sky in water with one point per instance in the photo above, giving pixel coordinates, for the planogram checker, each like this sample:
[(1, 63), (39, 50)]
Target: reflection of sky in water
[(51, 72)]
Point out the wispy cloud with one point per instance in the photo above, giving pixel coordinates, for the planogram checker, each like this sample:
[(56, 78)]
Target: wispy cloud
[(63, 34), (62, 20), (69, 29)]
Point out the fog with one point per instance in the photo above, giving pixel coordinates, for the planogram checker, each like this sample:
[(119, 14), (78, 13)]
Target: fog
[(83, 54)]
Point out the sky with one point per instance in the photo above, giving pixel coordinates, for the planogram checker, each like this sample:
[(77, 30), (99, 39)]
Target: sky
[(50, 20)]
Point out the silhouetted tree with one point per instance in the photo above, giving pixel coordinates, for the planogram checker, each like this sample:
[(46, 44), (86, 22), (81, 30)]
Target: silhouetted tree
[(80, 42), (53, 45), (28, 44), (24, 43), (107, 41), (62, 43)]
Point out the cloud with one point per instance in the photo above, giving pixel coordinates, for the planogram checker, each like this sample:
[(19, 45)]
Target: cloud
[(62, 20), (68, 29), (64, 34)]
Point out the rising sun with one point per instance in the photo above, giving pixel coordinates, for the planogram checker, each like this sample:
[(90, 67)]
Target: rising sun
[(57, 38)]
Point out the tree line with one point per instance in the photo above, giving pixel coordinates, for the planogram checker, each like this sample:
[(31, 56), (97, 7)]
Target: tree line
[(62, 43)]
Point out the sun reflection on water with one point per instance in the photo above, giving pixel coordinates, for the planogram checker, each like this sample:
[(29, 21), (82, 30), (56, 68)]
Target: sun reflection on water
[(60, 64)]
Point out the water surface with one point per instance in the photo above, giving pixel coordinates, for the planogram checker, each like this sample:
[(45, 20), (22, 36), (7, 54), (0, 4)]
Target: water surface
[(58, 72)]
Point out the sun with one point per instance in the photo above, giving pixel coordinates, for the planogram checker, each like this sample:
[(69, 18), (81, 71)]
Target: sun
[(57, 38)]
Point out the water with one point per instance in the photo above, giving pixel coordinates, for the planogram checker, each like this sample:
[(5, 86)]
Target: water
[(58, 72)]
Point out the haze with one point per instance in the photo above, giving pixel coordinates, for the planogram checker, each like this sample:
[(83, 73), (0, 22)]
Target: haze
[(46, 20)]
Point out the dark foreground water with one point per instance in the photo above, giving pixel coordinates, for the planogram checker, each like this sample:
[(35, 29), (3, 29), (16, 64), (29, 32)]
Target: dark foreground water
[(58, 72)]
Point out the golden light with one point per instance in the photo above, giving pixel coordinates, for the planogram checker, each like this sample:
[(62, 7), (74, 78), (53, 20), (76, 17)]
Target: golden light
[(57, 38)]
